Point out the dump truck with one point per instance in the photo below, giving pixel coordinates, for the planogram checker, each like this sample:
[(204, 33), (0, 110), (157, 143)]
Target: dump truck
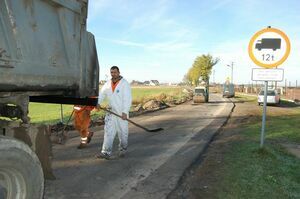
[(46, 55)]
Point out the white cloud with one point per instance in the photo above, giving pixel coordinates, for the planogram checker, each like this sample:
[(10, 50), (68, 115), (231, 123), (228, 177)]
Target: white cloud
[(169, 46)]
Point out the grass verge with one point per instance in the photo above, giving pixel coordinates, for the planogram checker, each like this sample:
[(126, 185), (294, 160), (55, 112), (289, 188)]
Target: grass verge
[(270, 172)]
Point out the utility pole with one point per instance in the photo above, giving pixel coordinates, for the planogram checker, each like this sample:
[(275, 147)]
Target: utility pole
[(276, 82), (231, 71), (285, 88)]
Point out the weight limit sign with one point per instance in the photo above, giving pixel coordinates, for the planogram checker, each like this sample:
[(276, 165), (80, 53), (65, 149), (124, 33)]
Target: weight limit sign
[(269, 48)]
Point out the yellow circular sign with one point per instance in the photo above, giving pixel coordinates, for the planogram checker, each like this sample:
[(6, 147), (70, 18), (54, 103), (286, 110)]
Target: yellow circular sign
[(269, 47)]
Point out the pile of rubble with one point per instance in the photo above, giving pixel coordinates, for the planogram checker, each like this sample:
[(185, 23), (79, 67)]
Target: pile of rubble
[(161, 102)]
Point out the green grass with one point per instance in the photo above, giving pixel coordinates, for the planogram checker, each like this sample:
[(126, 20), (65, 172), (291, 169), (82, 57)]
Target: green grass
[(271, 172), (50, 113), (142, 94), (278, 128), (245, 98), (41, 112), (255, 173)]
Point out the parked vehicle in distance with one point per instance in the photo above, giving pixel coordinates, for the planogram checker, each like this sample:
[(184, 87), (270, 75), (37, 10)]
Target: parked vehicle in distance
[(228, 90), (200, 95), (272, 97)]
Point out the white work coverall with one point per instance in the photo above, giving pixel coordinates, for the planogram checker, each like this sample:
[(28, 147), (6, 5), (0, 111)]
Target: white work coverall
[(119, 102)]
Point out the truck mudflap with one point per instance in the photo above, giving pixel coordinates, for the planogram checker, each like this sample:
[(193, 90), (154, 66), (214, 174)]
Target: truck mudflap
[(37, 137)]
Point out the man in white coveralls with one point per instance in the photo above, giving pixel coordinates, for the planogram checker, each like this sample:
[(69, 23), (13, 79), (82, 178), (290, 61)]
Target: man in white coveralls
[(118, 92)]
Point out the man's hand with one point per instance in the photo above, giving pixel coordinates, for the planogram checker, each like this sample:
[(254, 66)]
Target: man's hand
[(124, 116)]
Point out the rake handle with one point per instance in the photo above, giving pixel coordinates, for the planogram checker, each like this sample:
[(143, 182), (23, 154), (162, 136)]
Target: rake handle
[(125, 119)]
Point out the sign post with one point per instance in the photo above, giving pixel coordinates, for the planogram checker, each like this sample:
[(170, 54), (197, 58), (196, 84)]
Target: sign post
[(262, 135), (268, 48)]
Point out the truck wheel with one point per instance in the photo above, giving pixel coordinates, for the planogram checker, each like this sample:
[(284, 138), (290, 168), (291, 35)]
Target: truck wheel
[(21, 174)]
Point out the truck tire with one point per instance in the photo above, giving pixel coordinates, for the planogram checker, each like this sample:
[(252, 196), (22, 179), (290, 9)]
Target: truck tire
[(21, 174)]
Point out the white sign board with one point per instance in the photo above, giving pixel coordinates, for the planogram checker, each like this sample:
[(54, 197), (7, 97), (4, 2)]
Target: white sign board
[(269, 48), (259, 74)]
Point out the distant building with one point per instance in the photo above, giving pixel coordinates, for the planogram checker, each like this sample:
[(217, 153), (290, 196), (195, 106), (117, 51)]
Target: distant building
[(151, 83), (136, 83), (154, 82)]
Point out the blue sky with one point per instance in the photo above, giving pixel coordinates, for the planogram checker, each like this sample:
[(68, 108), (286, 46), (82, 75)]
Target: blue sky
[(160, 39)]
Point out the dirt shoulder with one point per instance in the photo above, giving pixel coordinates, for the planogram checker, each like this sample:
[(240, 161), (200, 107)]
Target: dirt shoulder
[(205, 178)]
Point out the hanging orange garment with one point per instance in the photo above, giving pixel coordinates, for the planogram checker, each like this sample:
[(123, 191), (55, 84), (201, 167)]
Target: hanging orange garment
[(82, 119)]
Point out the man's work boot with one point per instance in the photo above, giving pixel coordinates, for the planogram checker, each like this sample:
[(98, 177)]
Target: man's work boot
[(103, 156), (83, 143)]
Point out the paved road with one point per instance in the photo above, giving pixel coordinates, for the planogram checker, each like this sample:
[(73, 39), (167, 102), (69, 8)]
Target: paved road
[(154, 163)]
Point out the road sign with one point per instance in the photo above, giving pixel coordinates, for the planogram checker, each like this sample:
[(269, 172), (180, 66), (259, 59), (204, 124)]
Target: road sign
[(260, 74), (269, 47)]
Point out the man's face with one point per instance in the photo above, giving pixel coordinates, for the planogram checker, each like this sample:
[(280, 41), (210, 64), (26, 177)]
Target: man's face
[(114, 73)]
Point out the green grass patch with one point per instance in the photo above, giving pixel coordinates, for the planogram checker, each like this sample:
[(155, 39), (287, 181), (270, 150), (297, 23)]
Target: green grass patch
[(271, 172), (250, 172), (51, 113), (278, 128), (142, 94), (42, 112), (245, 98)]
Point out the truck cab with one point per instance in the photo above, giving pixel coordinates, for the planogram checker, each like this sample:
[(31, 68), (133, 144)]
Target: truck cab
[(228, 90)]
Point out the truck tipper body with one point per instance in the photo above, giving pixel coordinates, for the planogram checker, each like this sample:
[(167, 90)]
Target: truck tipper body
[(228, 90), (46, 55)]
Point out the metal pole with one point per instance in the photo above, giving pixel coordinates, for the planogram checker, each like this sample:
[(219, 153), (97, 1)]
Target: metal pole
[(262, 137), (285, 90), (232, 72), (61, 114), (276, 82), (256, 87)]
